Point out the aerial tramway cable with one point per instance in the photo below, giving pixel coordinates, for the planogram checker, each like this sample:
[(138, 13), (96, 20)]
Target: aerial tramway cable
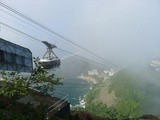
[(49, 35), (50, 60), (72, 87), (57, 48), (50, 48), (51, 31), (38, 40), (56, 38)]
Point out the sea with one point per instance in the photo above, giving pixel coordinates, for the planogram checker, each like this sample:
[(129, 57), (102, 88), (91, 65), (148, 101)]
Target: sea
[(74, 90)]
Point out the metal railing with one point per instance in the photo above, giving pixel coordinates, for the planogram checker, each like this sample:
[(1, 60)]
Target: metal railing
[(57, 106)]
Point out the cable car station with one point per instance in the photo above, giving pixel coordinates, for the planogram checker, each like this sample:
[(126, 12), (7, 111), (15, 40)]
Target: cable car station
[(14, 57)]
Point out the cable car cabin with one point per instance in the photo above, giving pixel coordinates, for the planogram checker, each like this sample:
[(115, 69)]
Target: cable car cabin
[(49, 60), (49, 64)]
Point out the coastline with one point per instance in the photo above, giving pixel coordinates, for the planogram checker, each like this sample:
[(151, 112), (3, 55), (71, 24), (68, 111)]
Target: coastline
[(88, 79)]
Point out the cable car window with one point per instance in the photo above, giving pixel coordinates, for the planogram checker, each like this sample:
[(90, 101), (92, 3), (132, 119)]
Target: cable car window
[(2, 56), (13, 58)]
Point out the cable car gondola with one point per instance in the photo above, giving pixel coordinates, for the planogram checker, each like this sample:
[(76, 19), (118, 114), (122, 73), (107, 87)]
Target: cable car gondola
[(49, 60)]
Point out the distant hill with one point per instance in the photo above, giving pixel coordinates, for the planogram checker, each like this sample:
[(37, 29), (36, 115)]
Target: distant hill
[(74, 66)]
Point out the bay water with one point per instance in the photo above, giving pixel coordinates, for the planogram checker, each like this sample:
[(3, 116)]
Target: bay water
[(75, 88)]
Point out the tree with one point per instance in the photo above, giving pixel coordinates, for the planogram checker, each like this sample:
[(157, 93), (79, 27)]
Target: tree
[(42, 79), (13, 84)]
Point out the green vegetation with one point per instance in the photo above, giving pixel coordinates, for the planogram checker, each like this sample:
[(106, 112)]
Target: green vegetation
[(101, 109), (13, 86), (43, 80), (125, 86), (93, 93), (128, 97), (141, 88), (135, 95), (4, 115), (136, 92), (13, 110), (82, 115)]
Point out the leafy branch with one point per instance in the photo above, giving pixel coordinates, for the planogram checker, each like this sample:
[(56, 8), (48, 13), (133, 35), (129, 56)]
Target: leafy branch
[(14, 85)]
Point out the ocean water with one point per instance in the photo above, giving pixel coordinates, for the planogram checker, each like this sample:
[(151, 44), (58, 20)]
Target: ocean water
[(75, 88)]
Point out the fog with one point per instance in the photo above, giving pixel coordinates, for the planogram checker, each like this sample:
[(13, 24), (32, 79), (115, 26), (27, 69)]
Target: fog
[(148, 85), (121, 31)]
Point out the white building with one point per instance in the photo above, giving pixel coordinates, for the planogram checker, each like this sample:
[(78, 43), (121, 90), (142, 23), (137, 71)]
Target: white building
[(109, 72), (155, 63), (93, 72)]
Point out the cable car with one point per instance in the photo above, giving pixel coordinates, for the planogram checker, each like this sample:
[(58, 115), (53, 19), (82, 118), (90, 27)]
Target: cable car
[(49, 60)]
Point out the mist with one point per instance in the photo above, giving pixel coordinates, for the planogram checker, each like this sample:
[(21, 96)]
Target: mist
[(124, 32), (121, 31), (148, 85)]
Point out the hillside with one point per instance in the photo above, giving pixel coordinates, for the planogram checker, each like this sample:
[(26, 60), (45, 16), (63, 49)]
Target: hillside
[(131, 91), (127, 94), (73, 67)]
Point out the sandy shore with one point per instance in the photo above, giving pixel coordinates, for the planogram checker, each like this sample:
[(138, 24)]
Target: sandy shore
[(88, 78)]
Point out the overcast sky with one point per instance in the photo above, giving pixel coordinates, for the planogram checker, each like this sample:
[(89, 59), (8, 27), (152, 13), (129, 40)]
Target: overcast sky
[(118, 30)]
